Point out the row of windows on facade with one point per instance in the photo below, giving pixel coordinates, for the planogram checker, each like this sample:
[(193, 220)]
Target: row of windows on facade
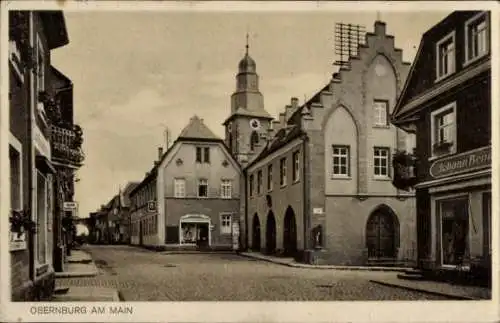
[(476, 46), (150, 225), (226, 188), (282, 174)]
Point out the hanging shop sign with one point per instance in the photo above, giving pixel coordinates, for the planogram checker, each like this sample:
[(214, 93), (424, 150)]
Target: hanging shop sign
[(462, 163), (70, 206)]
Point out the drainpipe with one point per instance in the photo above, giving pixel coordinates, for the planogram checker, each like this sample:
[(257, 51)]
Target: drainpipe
[(31, 164), (307, 195)]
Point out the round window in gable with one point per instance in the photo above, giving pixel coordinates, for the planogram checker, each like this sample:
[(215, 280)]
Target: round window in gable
[(225, 163), (179, 162)]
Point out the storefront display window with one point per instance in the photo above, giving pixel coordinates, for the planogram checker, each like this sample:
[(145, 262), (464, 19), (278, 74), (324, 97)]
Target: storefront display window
[(189, 233), (454, 231)]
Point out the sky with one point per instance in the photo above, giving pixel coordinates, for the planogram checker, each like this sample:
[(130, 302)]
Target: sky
[(136, 73)]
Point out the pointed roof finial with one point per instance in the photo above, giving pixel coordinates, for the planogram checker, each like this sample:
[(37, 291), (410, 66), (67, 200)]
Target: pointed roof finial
[(246, 47)]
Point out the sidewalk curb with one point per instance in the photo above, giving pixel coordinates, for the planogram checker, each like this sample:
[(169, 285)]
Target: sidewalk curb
[(423, 290), (77, 274), (113, 293), (324, 267), (196, 252)]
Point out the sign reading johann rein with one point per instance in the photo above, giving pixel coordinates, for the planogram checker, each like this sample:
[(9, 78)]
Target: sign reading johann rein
[(466, 162)]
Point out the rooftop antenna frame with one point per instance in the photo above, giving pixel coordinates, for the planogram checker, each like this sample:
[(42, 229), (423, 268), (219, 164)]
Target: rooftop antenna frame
[(348, 37)]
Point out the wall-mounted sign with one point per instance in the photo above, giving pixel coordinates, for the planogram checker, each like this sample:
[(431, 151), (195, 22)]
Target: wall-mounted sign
[(462, 163), (151, 206), (318, 210), (70, 206), (17, 241)]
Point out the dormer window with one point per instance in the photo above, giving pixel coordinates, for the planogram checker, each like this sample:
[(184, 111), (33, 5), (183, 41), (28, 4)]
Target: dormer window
[(476, 37), (445, 54)]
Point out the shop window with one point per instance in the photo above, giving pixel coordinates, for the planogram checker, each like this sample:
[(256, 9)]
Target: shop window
[(443, 127), (454, 217), (445, 54), (487, 221), (476, 37), (225, 223)]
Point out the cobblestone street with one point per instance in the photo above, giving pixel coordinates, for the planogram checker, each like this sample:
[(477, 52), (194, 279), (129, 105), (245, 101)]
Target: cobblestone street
[(143, 275)]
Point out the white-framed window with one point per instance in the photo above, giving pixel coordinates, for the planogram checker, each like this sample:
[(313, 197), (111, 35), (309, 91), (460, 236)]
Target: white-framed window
[(282, 171), (476, 37), (381, 161), (296, 166), (41, 218), (443, 130), (202, 187), (225, 223), (179, 187), (445, 56), (270, 178), (226, 189), (380, 113), (259, 182), (341, 158)]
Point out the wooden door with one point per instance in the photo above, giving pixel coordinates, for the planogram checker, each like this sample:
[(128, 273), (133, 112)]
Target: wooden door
[(381, 236)]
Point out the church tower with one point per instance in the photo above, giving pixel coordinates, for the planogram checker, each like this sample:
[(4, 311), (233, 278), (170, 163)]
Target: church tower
[(248, 124)]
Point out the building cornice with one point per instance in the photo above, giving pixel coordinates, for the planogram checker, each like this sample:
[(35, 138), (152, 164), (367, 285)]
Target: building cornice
[(416, 103), (454, 179)]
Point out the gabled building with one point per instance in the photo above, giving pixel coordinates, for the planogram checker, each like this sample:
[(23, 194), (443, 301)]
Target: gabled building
[(321, 188), (446, 102), (33, 106), (191, 196)]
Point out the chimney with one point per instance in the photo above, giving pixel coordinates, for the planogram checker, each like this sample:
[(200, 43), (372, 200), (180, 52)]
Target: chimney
[(294, 102), (160, 153), (379, 28)]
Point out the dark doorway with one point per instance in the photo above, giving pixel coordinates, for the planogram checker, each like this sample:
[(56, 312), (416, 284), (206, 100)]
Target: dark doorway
[(290, 233), (271, 233), (381, 234), (256, 233), (203, 237)]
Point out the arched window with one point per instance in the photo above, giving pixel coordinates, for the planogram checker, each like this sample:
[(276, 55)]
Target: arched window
[(254, 140)]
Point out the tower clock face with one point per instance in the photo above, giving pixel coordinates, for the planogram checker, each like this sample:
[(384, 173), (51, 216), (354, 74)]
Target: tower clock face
[(254, 124)]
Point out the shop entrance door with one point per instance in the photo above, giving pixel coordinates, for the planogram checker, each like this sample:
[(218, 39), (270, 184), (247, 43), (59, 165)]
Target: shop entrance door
[(203, 235), (454, 230)]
